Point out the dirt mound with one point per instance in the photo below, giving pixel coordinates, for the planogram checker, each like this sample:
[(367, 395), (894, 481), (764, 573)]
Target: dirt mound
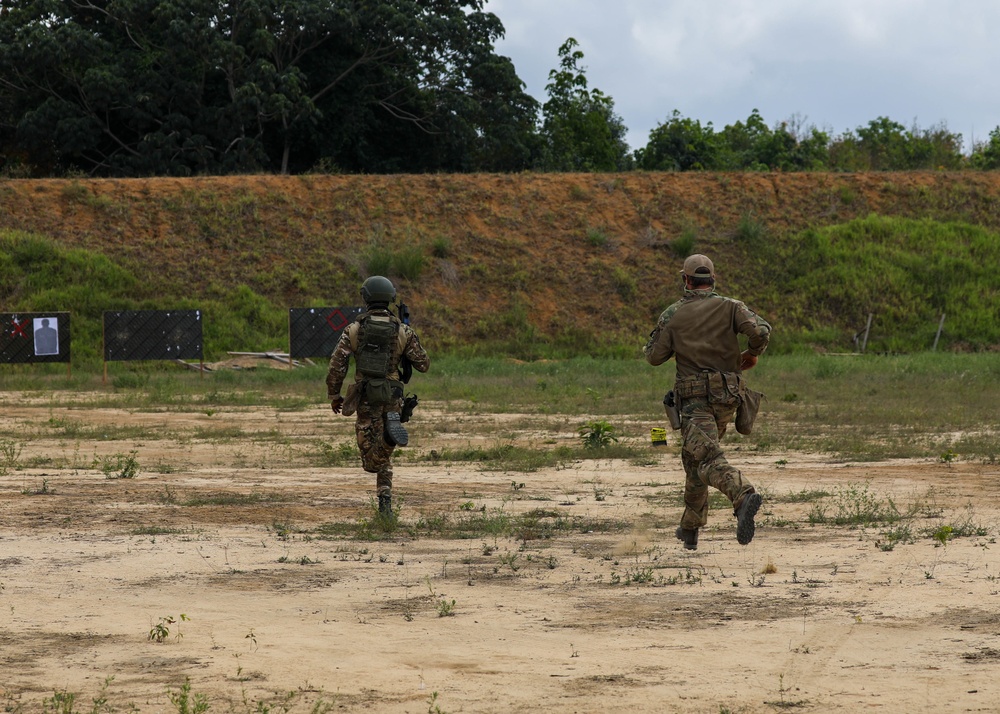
[(576, 255)]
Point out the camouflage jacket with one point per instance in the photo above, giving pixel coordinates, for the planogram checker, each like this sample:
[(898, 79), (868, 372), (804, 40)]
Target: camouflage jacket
[(701, 332), (406, 344)]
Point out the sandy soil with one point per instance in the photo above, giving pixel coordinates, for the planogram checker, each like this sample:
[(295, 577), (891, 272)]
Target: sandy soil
[(283, 612)]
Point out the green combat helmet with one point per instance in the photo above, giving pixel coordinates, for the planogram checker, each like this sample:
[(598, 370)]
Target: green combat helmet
[(377, 289)]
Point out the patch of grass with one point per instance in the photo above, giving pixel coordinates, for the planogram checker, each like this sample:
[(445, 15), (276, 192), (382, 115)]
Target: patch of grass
[(900, 534), (856, 505), (597, 237), (683, 245), (408, 262), (803, 496), (750, 229), (119, 465), (343, 454), (624, 282), (441, 247)]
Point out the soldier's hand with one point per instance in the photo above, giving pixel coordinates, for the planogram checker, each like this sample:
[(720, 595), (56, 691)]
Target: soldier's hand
[(747, 361), (336, 403)]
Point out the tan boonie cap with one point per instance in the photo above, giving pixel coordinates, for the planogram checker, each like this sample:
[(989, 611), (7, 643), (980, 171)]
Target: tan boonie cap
[(698, 265)]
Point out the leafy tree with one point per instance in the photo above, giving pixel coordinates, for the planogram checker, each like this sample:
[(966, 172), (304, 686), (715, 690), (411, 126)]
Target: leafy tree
[(580, 129), (682, 144), (742, 143), (679, 144), (886, 145), (986, 155), (135, 87)]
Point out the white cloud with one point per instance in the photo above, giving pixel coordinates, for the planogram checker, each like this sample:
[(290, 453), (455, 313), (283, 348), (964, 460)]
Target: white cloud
[(839, 63)]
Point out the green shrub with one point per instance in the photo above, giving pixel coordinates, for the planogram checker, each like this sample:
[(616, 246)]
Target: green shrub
[(408, 262), (683, 245)]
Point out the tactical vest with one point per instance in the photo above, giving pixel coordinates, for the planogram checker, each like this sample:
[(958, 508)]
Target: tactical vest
[(376, 340)]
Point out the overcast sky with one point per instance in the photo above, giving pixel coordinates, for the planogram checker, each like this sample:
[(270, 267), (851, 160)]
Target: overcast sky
[(835, 64)]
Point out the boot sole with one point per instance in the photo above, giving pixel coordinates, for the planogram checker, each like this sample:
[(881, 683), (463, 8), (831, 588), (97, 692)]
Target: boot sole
[(745, 527), (395, 430)]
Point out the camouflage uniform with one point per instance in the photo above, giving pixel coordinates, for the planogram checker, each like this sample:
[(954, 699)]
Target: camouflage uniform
[(701, 332), (376, 451)]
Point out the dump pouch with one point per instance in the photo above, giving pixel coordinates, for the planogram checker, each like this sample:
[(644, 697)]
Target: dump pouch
[(354, 393), (746, 413)]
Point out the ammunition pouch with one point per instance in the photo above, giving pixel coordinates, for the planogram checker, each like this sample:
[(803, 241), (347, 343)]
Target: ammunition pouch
[(380, 391), (715, 387)]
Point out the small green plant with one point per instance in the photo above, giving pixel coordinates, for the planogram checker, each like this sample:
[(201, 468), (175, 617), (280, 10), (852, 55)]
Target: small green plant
[(598, 434), (42, 490), (441, 247), (10, 456), (185, 703), (625, 284), (846, 195), (432, 705), (683, 245), (409, 262), (894, 536), (61, 702), (445, 608), (376, 259), (120, 465), (510, 560), (340, 455), (597, 237), (856, 505), (750, 229), (942, 535), (161, 630), (948, 456)]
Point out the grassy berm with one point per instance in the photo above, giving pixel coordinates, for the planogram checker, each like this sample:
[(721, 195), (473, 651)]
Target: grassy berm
[(531, 265)]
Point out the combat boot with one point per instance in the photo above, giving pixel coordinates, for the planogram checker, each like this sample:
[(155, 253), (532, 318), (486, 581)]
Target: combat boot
[(745, 527), (395, 432), (689, 536), (385, 503)]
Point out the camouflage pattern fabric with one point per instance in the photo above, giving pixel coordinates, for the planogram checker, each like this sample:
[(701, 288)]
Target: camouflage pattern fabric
[(376, 452), (702, 427), (701, 330)]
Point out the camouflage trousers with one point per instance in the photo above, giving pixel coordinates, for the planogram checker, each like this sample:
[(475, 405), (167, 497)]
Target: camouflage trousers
[(702, 427), (376, 452)]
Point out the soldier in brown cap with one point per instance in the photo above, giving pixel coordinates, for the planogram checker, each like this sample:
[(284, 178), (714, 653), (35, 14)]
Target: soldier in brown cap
[(701, 332)]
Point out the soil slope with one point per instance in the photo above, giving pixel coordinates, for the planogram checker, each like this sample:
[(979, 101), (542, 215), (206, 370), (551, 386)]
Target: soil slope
[(577, 255)]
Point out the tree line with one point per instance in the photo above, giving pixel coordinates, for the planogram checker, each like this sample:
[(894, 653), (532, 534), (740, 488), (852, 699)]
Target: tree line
[(189, 87)]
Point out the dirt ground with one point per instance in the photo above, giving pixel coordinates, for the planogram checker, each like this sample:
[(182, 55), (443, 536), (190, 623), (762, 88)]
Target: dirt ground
[(286, 609)]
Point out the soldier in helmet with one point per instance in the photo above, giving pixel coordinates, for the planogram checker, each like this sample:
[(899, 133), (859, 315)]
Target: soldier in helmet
[(701, 332), (379, 343)]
